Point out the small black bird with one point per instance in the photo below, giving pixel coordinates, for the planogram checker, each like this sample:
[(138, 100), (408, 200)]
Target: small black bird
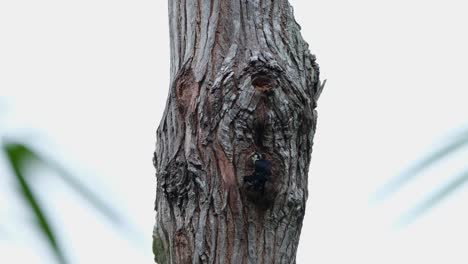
[(261, 174)]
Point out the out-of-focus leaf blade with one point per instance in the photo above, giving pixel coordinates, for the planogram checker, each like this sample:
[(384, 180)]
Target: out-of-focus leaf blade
[(85, 193), (415, 171), (78, 187), (81, 189), (19, 156), (434, 199)]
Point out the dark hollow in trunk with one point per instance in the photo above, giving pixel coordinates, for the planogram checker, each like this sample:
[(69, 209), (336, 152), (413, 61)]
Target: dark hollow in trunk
[(242, 82)]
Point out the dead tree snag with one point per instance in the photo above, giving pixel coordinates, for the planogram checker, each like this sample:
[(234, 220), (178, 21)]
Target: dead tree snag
[(242, 82)]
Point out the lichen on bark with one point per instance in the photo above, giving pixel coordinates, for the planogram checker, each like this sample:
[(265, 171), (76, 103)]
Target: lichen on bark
[(242, 81)]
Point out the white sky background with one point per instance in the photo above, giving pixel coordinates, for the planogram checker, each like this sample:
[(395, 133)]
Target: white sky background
[(86, 81)]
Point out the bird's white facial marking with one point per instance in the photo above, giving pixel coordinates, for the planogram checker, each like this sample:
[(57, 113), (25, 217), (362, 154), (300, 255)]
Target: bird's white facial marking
[(256, 157)]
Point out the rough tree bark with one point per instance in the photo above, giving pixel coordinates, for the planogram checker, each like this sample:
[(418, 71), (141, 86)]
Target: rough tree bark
[(242, 81)]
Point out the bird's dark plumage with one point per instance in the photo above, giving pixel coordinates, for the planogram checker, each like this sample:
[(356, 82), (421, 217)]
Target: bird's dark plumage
[(261, 174)]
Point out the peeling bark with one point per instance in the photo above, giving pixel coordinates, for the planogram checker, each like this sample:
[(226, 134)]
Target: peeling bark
[(242, 81)]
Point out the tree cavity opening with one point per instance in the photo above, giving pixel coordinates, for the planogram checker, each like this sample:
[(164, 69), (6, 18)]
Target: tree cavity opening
[(263, 83)]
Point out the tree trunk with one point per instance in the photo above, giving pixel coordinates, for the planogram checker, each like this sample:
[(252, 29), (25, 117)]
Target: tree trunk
[(242, 82)]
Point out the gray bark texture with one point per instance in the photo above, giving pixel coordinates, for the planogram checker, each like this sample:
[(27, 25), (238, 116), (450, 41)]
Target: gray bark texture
[(242, 81)]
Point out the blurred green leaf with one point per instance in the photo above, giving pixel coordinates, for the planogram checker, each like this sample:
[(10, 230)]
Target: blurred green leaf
[(415, 171), (412, 173), (434, 199), (84, 192), (20, 157), (76, 185)]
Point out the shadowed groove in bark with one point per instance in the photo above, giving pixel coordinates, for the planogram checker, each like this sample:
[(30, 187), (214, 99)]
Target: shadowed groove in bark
[(242, 81)]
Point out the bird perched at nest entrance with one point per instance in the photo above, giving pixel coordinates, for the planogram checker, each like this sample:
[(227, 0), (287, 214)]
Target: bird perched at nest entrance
[(261, 175)]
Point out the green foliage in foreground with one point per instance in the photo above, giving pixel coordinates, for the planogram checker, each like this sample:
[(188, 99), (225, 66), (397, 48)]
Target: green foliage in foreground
[(445, 151), (21, 157)]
